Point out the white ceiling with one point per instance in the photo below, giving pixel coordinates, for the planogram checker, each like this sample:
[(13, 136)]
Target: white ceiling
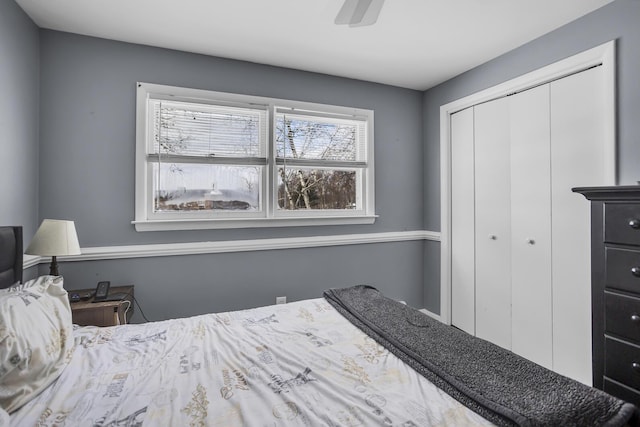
[(415, 43)]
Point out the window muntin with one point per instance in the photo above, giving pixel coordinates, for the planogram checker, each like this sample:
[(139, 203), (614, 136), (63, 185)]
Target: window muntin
[(207, 156)]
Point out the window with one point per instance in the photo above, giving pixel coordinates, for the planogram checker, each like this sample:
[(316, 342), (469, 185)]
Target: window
[(216, 160)]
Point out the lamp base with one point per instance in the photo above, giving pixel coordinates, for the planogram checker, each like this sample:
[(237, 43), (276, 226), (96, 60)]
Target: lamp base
[(53, 267)]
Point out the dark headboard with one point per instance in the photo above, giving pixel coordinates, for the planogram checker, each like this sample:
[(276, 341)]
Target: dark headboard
[(10, 256)]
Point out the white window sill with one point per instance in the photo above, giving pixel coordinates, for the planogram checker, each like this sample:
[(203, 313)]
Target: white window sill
[(203, 224)]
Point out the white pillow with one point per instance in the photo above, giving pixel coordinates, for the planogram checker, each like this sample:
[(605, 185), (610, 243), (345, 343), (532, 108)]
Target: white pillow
[(36, 338), (4, 418)]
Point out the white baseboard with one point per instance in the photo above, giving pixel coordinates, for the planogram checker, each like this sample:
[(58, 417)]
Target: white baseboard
[(430, 314)]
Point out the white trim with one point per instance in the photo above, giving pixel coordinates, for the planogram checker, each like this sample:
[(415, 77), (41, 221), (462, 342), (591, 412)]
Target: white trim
[(201, 224), (198, 248), (431, 235), (32, 260), (268, 216), (603, 55), (432, 315)]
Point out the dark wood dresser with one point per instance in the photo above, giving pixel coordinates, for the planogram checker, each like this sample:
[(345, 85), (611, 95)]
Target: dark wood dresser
[(615, 298)]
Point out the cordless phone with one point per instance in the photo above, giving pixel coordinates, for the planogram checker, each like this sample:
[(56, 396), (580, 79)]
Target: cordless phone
[(102, 290)]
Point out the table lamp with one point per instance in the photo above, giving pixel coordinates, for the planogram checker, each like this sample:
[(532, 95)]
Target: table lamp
[(55, 238)]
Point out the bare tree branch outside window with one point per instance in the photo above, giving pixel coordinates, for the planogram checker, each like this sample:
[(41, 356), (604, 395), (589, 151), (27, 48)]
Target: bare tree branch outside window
[(315, 187)]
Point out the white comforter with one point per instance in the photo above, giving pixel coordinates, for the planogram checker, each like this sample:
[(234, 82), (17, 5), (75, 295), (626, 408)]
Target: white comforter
[(299, 364)]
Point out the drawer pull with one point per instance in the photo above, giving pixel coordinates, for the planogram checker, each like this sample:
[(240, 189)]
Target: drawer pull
[(635, 366), (634, 223), (635, 271), (635, 318)]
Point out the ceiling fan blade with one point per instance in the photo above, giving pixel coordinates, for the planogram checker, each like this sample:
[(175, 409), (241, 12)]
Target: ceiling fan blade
[(370, 15), (346, 12), (358, 13), (361, 10)]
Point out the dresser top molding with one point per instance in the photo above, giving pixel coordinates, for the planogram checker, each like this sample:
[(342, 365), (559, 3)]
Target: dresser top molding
[(617, 192)]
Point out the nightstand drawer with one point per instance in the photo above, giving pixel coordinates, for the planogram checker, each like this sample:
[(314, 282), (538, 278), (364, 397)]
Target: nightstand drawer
[(104, 313), (622, 269), (622, 223), (622, 362), (98, 316), (622, 316)]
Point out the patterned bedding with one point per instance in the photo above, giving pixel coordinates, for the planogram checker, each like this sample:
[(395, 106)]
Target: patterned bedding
[(496, 383), (298, 364)]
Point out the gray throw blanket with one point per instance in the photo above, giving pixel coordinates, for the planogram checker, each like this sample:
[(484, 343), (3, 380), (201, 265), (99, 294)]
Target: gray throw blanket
[(501, 386)]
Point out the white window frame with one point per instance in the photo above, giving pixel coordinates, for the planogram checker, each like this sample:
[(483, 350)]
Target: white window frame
[(271, 216)]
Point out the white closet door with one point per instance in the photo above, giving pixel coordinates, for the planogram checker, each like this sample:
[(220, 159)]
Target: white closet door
[(531, 319), (492, 231), (578, 140), (462, 222)]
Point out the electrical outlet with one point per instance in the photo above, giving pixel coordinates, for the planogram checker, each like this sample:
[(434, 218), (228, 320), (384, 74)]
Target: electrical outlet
[(281, 300)]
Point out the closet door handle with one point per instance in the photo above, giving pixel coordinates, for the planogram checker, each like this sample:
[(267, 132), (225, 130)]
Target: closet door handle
[(635, 366), (635, 271), (531, 242), (493, 237), (634, 223), (635, 318)]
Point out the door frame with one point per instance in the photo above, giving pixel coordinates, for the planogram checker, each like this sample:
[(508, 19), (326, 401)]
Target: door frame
[(602, 55)]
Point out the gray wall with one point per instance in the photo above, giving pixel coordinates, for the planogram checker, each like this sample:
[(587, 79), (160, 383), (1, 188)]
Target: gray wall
[(87, 148), (19, 71), (619, 20), (186, 285), (88, 89), (86, 168)]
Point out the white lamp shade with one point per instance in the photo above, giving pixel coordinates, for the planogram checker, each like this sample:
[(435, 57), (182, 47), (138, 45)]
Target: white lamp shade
[(55, 238)]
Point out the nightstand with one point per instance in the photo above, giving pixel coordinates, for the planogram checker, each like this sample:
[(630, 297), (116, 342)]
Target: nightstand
[(106, 313)]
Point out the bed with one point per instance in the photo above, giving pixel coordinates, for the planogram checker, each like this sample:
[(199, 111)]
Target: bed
[(350, 358)]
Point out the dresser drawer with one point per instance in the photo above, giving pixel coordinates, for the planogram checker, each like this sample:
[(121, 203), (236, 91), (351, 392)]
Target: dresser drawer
[(623, 392), (622, 223), (622, 269), (622, 316), (622, 362)]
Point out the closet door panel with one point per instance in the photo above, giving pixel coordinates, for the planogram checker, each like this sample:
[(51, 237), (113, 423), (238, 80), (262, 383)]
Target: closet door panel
[(531, 225), (492, 228), (578, 153), (462, 222)]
